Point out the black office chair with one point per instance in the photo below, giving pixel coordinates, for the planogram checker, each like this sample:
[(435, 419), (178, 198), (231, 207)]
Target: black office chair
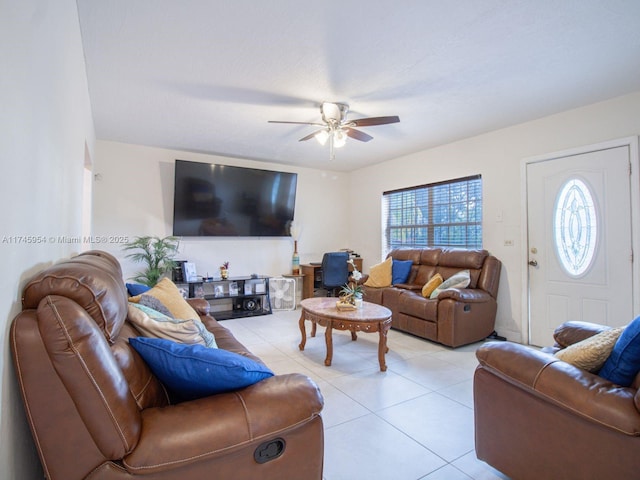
[(335, 272)]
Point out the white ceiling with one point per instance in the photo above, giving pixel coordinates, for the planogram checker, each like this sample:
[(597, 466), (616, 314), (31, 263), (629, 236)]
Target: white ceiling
[(207, 75)]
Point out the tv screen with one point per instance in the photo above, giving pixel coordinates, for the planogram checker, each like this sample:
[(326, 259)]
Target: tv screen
[(220, 200)]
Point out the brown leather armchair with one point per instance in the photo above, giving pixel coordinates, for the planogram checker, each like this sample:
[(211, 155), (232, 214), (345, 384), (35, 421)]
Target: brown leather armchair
[(539, 417), (97, 412)]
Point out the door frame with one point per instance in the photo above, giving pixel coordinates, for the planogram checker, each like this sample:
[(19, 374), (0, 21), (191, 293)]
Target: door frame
[(632, 143)]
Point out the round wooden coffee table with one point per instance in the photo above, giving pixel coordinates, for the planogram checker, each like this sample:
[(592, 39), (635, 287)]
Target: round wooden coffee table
[(369, 319)]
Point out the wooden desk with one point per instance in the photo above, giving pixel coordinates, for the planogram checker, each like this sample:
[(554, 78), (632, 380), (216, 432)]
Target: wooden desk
[(313, 279)]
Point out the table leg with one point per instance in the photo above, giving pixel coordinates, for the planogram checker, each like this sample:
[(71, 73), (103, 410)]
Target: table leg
[(354, 336), (382, 347), (329, 340), (313, 328), (303, 331)]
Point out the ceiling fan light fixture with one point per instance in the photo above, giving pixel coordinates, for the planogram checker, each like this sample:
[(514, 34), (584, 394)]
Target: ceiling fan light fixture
[(322, 136), (339, 138)]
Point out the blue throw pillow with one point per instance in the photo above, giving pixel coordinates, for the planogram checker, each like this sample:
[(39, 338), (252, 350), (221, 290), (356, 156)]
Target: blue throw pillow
[(400, 270), (136, 289), (624, 362), (195, 371)]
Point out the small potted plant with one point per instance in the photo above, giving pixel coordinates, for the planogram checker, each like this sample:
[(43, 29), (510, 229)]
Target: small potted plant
[(156, 253), (351, 293)]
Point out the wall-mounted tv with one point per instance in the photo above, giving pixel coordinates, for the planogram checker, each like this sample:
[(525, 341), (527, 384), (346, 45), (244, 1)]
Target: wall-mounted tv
[(219, 200)]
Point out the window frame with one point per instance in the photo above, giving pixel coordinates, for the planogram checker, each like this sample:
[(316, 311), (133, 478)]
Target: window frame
[(411, 206)]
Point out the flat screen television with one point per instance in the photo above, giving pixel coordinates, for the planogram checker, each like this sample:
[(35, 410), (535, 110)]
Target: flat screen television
[(220, 200)]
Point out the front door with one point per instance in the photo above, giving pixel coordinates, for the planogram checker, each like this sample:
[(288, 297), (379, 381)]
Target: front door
[(579, 241)]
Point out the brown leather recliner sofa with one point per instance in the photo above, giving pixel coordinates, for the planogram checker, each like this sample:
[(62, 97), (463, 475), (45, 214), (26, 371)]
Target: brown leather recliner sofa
[(539, 417), (97, 412), (457, 316)]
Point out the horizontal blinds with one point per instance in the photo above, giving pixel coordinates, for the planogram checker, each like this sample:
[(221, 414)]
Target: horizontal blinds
[(443, 214)]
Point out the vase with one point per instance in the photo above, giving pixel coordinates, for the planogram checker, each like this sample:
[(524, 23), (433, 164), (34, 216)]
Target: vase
[(224, 273), (358, 302), (295, 261)]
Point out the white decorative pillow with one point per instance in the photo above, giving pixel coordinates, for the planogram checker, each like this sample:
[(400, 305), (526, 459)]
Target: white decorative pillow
[(591, 353), (154, 324), (457, 280)]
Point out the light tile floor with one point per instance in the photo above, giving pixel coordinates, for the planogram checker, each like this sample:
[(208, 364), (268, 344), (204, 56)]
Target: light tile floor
[(412, 422)]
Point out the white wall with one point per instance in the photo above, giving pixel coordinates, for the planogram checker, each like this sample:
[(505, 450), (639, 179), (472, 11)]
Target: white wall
[(497, 156), (133, 196), (45, 120)]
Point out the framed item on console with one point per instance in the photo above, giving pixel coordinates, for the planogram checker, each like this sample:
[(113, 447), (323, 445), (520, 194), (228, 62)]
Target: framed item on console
[(189, 272)]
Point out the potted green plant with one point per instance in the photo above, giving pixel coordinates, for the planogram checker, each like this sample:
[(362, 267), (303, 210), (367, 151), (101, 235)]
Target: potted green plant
[(157, 255), (352, 292)]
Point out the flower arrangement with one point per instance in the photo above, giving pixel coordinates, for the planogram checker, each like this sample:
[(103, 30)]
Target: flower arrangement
[(352, 290), (224, 266)]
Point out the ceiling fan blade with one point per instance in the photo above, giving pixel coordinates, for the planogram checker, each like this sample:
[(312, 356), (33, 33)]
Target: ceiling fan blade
[(358, 135), (368, 122), (296, 123), (310, 136)]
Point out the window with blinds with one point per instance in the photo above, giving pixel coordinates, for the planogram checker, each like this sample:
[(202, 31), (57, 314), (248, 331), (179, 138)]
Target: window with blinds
[(443, 214)]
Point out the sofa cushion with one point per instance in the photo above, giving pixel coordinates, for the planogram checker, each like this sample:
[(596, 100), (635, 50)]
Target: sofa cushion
[(92, 280), (591, 353), (458, 280), (624, 362), (152, 323), (170, 297), (400, 270), (467, 259), (415, 305), (431, 285), (194, 371), (380, 274)]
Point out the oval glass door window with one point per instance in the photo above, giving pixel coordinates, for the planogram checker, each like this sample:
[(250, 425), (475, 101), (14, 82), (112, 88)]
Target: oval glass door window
[(575, 227)]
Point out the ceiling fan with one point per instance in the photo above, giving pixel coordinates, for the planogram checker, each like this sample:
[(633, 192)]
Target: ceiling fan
[(336, 128)]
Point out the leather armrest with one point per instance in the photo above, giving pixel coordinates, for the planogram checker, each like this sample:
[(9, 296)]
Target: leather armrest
[(573, 332), (571, 388), (200, 305), (466, 295), (213, 426)]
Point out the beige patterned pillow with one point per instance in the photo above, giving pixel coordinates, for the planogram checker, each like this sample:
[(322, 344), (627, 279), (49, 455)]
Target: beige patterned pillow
[(156, 325), (169, 295), (591, 353)]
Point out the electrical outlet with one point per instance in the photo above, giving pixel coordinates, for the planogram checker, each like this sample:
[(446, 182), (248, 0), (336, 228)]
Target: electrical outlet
[(508, 243)]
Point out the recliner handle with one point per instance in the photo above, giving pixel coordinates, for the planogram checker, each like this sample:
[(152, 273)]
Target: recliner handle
[(269, 450)]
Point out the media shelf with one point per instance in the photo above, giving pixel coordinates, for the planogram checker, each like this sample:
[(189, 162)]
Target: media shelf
[(234, 297)]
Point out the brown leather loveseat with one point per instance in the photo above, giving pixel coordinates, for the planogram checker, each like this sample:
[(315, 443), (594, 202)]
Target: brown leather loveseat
[(456, 317), (538, 417), (96, 411)]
